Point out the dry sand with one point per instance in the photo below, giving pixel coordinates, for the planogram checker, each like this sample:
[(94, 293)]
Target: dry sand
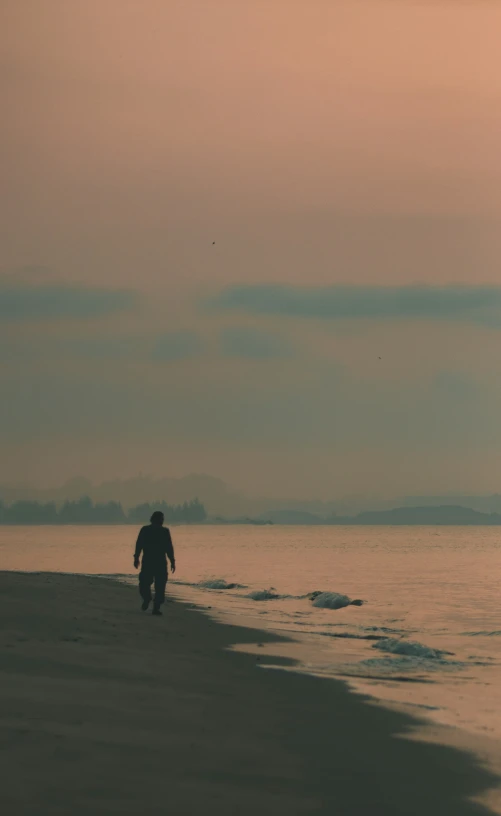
[(108, 710)]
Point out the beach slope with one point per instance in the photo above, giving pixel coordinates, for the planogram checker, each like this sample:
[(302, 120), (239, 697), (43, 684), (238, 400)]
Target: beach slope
[(108, 710)]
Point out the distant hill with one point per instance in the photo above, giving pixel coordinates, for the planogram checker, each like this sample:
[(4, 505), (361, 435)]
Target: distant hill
[(441, 515)]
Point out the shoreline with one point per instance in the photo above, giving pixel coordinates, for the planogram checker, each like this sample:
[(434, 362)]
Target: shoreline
[(105, 709)]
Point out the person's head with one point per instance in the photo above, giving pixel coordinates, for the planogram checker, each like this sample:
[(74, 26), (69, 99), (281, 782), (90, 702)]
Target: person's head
[(157, 517)]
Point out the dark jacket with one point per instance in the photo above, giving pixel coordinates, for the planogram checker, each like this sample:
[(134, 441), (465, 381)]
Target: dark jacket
[(155, 543)]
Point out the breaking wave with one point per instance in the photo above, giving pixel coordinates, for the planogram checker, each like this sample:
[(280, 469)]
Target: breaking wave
[(319, 599)]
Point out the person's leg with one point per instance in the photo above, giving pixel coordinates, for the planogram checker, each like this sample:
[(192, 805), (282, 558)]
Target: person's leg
[(145, 582), (160, 583)]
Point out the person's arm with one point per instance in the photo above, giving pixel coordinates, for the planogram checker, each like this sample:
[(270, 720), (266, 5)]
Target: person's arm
[(169, 549), (139, 548)]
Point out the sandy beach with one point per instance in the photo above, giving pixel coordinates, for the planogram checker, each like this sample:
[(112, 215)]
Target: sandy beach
[(105, 709)]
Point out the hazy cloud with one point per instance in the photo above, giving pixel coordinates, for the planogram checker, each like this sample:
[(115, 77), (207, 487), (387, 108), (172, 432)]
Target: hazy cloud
[(253, 344), (470, 304), (178, 345), (56, 301), (94, 349)]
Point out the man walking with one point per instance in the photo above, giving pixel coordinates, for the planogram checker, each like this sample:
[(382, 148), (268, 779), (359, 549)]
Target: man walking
[(155, 543)]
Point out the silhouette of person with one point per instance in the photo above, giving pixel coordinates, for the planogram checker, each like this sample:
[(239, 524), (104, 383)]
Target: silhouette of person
[(155, 543)]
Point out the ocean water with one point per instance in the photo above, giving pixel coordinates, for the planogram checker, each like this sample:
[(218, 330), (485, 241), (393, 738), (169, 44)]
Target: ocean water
[(427, 635)]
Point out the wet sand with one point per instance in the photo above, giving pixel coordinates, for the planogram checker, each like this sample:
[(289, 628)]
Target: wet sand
[(108, 710)]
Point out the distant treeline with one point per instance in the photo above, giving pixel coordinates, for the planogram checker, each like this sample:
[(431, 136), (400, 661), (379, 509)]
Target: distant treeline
[(84, 511)]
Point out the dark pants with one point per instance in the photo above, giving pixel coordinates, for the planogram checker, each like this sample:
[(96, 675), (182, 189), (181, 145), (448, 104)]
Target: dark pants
[(156, 573)]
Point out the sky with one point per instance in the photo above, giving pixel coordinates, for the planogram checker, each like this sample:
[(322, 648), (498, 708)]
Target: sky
[(256, 239)]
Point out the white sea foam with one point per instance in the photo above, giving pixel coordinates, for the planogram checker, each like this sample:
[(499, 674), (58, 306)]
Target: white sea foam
[(331, 600), (218, 583), (349, 636), (388, 666), (385, 629), (409, 648), (209, 583), (264, 595)]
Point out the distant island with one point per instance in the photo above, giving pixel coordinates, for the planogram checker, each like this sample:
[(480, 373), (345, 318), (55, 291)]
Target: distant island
[(440, 515), (399, 516), (85, 511)]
